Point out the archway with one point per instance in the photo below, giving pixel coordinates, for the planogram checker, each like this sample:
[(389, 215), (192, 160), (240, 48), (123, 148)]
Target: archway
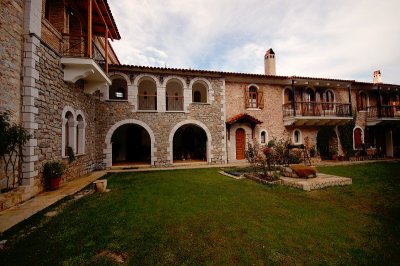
[(327, 142), (131, 144), (190, 144)]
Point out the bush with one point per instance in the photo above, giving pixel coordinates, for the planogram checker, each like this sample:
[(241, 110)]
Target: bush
[(53, 169)]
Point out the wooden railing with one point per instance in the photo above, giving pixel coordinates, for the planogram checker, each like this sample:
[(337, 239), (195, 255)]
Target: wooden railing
[(316, 109), (174, 103), (383, 111), (147, 102), (76, 46)]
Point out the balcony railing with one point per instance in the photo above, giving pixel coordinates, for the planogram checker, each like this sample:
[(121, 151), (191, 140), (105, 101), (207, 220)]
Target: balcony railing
[(147, 102), (385, 111), (317, 109), (174, 103), (76, 46)]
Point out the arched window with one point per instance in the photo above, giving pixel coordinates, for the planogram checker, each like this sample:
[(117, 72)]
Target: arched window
[(357, 138), (309, 95), (80, 133), (254, 97), (297, 139), (263, 137), (199, 92), (118, 89), (147, 95), (288, 96), (68, 130), (328, 100), (174, 95)]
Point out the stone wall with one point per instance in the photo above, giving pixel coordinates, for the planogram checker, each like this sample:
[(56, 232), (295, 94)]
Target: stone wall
[(162, 124), (54, 96), (11, 46)]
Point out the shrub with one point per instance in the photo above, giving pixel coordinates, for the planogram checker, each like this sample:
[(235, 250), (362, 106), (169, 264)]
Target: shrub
[(53, 169)]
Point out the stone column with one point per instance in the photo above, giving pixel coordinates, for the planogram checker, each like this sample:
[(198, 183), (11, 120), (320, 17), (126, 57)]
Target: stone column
[(30, 92), (161, 105)]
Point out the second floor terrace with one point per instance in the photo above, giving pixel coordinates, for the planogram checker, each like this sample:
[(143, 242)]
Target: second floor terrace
[(317, 105), (80, 31)]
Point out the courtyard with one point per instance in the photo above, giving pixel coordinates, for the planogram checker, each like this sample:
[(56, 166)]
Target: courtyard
[(198, 216)]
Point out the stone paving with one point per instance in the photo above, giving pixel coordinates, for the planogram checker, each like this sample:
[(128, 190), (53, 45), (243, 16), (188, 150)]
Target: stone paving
[(321, 181), (17, 214)]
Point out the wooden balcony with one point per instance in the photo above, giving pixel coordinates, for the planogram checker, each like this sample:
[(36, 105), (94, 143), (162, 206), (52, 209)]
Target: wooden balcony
[(78, 64), (385, 114), (316, 113)]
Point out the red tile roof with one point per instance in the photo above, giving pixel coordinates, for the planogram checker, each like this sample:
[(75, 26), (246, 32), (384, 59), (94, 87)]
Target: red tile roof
[(243, 117)]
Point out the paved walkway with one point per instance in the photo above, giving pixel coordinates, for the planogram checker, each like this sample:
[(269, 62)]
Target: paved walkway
[(17, 214)]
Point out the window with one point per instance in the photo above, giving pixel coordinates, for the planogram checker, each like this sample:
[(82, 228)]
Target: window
[(199, 92), (254, 98), (263, 137), (288, 96), (118, 89), (297, 137), (147, 95), (328, 100), (309, 96), (196, 97), (68, 130), (80, 134), (174, 95)]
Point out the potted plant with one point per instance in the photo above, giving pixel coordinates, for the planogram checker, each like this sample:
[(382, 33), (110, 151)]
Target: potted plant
[(52, 172)]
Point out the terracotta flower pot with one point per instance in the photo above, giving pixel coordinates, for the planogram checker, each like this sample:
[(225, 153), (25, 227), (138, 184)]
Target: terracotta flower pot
[(100, 185), (55, 183)]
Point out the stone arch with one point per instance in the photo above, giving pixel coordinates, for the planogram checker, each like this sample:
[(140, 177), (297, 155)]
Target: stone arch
[(80, 132), (358, 146), (203, 82), (284, 100), (141, 77), (189, 122), (67, 129), (169, 78), (117, 74), (232, 138), (108, 150)]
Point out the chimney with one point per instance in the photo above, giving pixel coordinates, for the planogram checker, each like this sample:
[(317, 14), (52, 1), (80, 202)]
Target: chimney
[(269, 63), (377, 78)]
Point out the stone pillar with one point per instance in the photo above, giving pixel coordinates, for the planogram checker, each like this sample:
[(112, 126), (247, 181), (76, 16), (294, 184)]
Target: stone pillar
[(389, 143), (30, 92), (133, 96), (161, 105)]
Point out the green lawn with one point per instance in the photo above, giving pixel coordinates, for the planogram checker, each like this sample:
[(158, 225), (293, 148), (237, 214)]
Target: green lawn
[(201, 217)]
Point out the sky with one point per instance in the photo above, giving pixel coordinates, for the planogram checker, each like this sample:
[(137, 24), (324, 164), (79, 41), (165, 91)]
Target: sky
[(341, 39)]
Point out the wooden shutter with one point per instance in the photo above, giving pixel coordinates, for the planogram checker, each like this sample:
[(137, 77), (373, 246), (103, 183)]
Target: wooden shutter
[(260, 98), (358, 96), (246, 97)]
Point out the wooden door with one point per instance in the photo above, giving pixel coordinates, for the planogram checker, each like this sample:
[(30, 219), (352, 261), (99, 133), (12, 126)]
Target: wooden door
[(240, 137)]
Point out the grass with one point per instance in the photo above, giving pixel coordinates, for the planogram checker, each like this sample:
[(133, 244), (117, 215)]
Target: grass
[(201, 217)]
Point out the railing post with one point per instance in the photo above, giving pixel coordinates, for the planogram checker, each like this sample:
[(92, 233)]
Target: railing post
[(106, 50), (379, 105), (350, 104), (90, 9), (294, 98)]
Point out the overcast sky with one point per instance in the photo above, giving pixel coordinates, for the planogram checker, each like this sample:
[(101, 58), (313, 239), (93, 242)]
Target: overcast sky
[(344, 39)]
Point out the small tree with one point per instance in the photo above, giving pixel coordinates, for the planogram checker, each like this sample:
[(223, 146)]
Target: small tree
[(12, 139)]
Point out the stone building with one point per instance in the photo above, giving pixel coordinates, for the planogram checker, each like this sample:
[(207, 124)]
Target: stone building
[(64, 83)]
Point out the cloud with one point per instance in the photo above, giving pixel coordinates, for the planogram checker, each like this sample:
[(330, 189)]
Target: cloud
[(337, 39)]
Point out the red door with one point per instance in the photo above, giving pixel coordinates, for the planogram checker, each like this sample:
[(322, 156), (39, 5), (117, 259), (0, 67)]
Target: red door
[(240, 144), (357, 139)]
